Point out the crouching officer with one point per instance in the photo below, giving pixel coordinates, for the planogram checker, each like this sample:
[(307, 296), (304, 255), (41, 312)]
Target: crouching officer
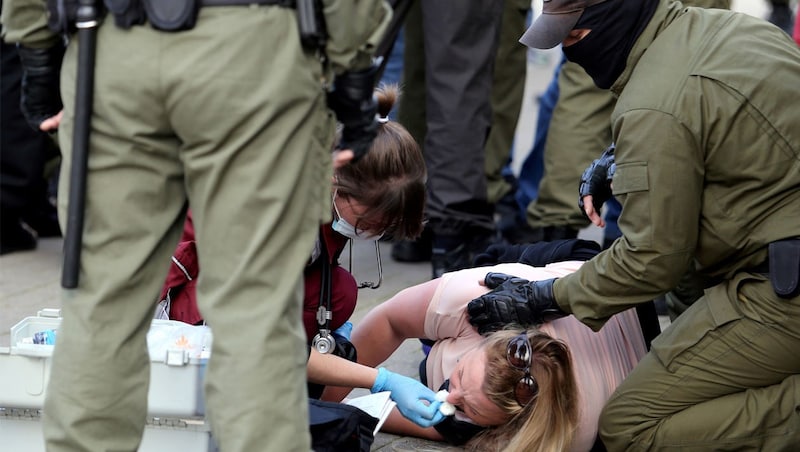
[(707, 168), (217, 101)]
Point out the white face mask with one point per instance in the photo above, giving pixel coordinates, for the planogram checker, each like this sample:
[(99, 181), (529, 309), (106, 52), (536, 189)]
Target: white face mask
[(341, 226)]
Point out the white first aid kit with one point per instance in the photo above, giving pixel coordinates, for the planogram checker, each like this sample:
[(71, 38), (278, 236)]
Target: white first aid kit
[(178, 356)]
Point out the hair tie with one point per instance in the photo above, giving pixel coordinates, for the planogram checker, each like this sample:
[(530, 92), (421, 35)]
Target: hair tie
[(382, 119)]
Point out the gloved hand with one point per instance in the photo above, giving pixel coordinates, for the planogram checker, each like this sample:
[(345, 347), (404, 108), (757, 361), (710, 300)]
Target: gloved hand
[(41, 94), (596, 180), (409, 395), (513, 300), (355, 107)]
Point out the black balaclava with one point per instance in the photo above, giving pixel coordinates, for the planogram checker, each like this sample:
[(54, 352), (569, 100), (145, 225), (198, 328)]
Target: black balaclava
[(615, 25)]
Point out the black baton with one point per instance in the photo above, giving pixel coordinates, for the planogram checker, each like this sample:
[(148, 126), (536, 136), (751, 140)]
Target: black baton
[(86, 24)]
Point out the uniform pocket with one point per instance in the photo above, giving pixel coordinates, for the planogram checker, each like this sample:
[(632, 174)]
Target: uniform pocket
[(630, 178), (707, 317)]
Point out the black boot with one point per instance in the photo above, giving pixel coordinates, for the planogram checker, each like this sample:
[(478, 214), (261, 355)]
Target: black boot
[(456, 252), (15, 237), (43, 220), (521, 233), (449, 254), (414, 250), (551, 233)]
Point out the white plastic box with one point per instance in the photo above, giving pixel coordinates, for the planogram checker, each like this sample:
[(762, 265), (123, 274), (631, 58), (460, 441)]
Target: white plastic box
[(175, 398)]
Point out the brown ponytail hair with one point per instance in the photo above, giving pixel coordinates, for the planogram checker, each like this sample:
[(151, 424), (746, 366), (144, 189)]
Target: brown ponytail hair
[(390, 179)]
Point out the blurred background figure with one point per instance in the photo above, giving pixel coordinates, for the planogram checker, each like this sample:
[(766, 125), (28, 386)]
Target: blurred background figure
[(781, 15), (27, 158)]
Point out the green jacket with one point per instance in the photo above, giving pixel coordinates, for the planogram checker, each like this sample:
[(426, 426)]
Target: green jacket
[(708, 157), (354, 27)]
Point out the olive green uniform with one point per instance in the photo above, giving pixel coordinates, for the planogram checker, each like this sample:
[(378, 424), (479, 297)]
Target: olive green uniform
[(579, 130), (508, 87), (708, 173), (232, 116)]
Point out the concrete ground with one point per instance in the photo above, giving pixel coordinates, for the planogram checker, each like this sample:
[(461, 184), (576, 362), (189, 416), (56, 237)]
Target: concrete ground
[(29, 281)]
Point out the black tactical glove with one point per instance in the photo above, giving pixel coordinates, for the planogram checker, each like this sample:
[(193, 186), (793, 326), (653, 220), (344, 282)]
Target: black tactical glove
[(41, 96), (355, 107), (596, 180), (513, 300)]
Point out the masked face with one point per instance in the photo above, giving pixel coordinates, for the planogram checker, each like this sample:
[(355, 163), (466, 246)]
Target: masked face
[(343, 227), (615, 26)]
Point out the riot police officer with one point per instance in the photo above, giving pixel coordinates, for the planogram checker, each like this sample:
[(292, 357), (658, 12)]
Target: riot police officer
[(708, 173), (219, 103)]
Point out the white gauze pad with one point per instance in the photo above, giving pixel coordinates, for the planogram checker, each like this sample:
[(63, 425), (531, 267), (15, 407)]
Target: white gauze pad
[(448, 409)]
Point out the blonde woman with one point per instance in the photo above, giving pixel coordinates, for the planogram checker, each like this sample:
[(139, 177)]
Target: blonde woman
[(537, 390)]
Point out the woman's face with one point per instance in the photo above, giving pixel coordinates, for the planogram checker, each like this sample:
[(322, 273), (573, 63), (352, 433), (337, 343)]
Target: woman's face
[(349, 210), (466, 390)]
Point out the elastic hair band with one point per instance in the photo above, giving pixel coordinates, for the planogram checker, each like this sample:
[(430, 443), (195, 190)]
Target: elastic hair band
[(382, 119)]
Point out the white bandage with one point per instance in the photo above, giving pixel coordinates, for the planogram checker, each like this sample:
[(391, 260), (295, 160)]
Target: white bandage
[(448, 409)]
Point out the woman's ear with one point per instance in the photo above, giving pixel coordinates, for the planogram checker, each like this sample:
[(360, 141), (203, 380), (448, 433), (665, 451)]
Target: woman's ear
[(342, 158)]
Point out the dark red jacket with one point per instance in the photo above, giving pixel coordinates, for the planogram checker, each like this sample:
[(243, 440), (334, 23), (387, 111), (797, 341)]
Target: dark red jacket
[(182, 279)]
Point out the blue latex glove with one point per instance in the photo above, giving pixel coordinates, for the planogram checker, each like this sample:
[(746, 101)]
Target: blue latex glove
[(345, 330), (409, 395)]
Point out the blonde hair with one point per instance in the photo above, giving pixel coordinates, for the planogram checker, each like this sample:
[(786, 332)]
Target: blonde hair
[(390, 179), (548, 422)]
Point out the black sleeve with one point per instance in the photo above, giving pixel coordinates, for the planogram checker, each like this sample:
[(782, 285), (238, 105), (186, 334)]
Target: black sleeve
[(457, 432)]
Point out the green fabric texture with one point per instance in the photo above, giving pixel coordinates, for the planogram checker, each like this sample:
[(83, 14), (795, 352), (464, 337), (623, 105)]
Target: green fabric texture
[(508, 87), (707, 174), (231, 115), (580, 129)]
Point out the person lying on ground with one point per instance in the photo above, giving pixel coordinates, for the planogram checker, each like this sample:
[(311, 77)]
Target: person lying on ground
[(414, 400), (540, 389)]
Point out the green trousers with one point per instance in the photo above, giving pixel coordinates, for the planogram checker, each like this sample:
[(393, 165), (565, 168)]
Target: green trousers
[(508, 87), (724, 376), (230, 116), (579, 130)]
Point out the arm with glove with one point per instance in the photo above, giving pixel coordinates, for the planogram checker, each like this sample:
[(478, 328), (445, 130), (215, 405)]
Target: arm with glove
[(41, 94), (355, 106), (349, 47), (41, 50), (414, 400)]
